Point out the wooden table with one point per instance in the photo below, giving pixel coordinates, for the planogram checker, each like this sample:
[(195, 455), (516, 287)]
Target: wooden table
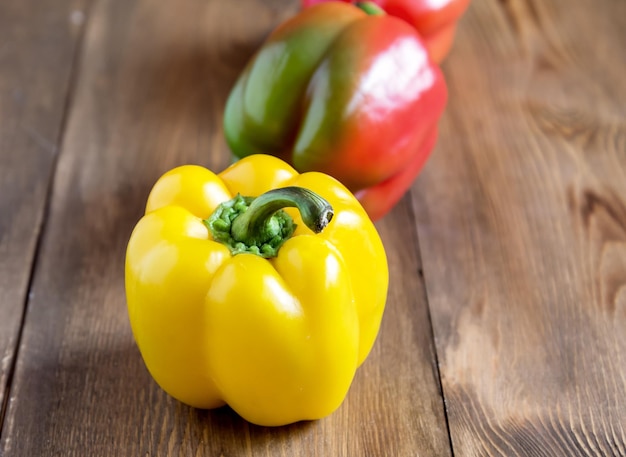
[(505, 327)]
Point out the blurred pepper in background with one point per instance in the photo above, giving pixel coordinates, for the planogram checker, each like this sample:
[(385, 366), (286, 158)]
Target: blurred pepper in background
[(350, 93)]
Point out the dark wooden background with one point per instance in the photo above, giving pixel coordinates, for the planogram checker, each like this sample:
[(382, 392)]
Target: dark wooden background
[(505, 327)]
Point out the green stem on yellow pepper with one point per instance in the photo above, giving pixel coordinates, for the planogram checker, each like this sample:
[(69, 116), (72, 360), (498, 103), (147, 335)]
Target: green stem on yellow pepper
[(258, 226)]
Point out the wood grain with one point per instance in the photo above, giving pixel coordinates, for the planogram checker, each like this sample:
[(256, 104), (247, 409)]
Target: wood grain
[(521, 215), (151, 88), (37, 48)]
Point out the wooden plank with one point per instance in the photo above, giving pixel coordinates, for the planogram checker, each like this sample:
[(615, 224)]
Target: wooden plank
[(522, 221), (37, 48), (153, 81)]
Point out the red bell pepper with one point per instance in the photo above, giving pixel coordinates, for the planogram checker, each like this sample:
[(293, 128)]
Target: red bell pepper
[(435, 20), (336, 90)]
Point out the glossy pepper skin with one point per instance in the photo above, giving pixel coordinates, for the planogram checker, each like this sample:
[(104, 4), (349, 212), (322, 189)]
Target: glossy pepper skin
[(278, 339), (342, 92), (435, 20)]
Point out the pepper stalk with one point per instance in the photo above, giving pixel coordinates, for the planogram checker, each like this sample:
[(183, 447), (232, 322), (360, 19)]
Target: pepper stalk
[(259, 226), (371, 8)]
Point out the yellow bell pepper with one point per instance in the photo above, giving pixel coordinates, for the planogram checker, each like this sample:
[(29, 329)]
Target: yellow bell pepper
[(230, 305)]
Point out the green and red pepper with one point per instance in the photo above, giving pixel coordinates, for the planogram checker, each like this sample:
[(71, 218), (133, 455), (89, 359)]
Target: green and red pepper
[(340, 91)]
